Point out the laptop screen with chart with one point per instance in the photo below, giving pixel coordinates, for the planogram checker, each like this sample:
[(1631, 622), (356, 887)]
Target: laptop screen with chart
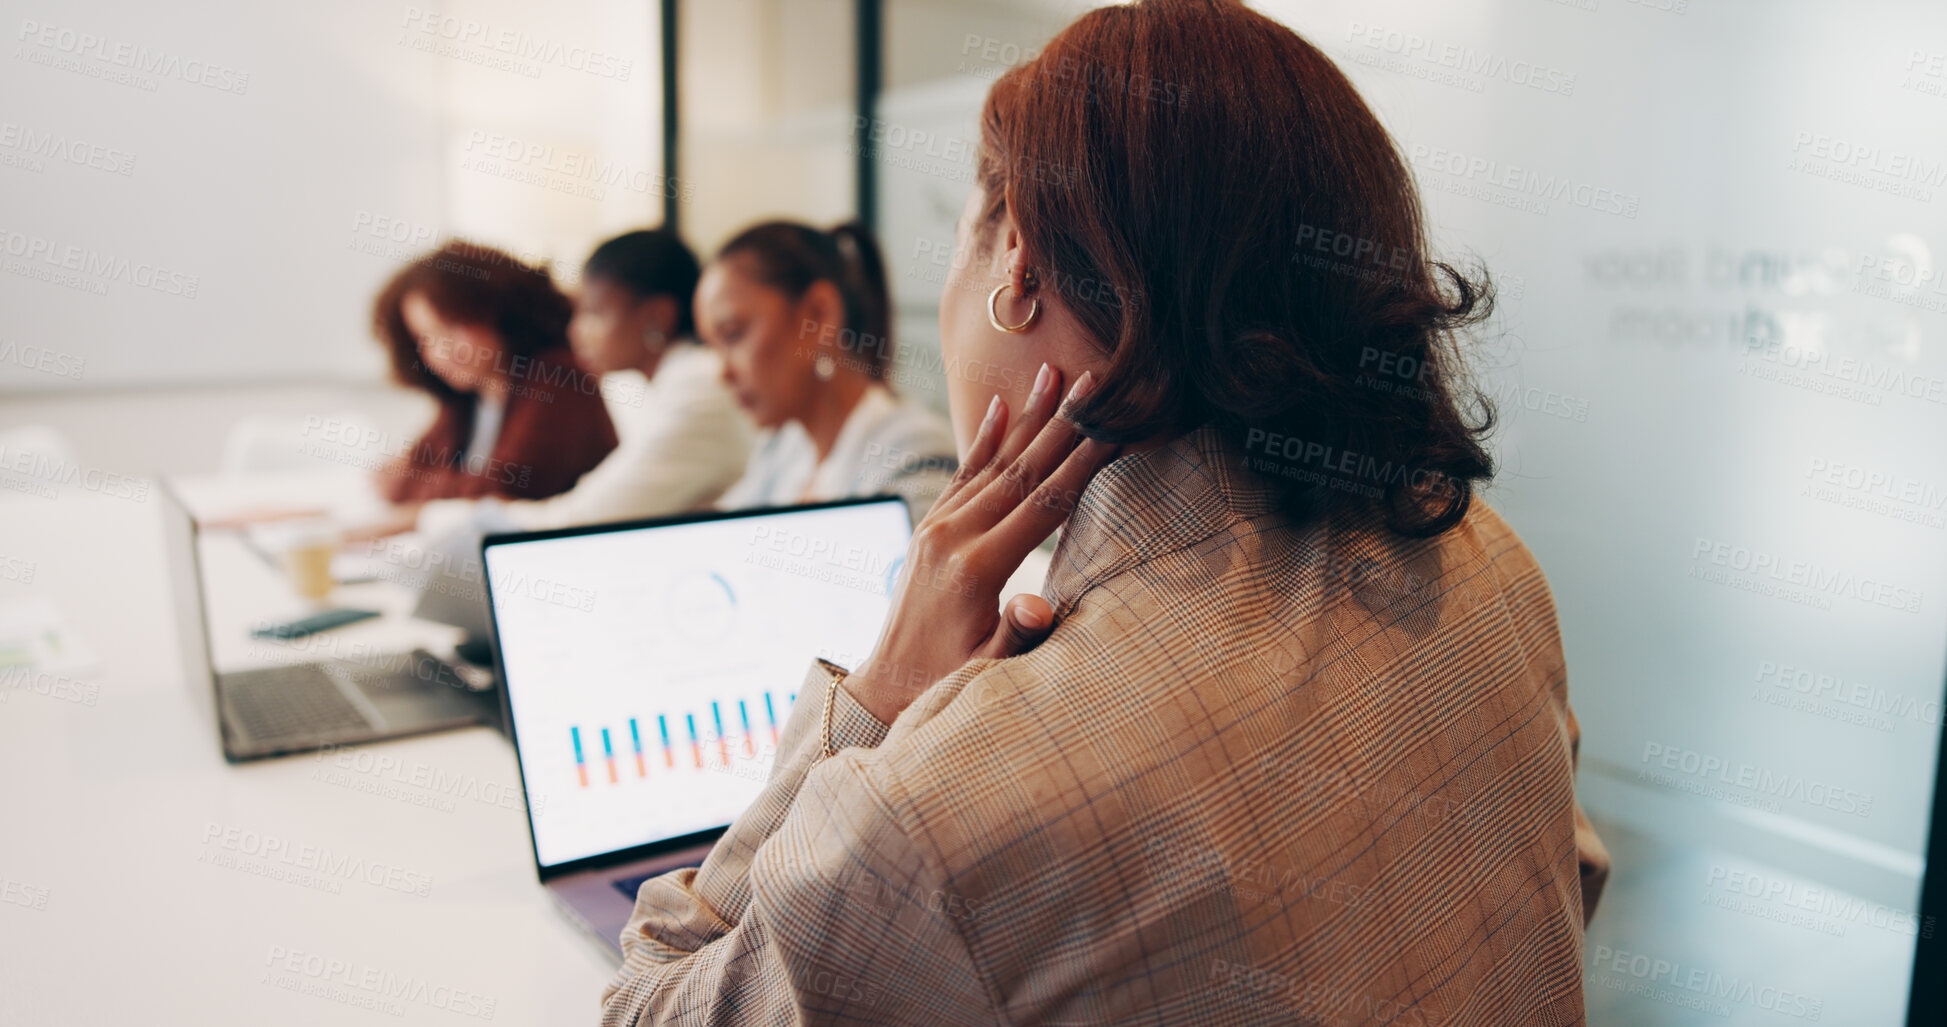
[(650, 667)]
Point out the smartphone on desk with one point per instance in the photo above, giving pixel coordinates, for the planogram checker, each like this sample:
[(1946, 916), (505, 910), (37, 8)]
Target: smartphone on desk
[(322, 621)]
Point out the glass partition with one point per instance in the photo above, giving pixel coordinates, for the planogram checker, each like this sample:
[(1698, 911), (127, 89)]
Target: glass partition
[(1718, 363)]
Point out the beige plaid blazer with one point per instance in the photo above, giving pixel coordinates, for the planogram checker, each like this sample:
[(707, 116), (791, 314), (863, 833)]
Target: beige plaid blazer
[(1258, 774)]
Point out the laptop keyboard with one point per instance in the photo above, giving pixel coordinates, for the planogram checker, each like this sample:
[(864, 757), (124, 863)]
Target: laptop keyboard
[(304, 702), (416, 670)]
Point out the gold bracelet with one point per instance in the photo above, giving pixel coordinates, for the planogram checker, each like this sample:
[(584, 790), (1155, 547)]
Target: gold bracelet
[(831, 700)]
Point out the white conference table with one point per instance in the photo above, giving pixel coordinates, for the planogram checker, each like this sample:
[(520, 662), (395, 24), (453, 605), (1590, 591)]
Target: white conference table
[(145, 880), (138, 878)]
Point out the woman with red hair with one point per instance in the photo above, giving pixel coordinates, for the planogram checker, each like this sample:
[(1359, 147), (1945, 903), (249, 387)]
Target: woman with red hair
[(1285, 737), (486, 337)]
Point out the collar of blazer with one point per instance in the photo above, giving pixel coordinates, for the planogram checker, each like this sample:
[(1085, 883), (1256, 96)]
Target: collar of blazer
[(1143, 505), (1200, 487)]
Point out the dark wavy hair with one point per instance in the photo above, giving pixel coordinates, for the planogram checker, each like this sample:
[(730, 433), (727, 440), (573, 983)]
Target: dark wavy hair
[(471, 284), (1229, 221), (650, 262), (789, 256)]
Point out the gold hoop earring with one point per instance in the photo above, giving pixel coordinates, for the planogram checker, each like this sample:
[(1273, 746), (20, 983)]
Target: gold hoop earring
[(994, 313)]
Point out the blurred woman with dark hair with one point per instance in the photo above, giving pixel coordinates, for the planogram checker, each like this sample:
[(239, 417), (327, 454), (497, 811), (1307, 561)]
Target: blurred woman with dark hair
[(1285, 738), (487, 337), (803, 321), (683, 439)]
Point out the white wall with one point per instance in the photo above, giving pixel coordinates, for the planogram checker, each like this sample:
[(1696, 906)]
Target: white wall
[(237, 234)]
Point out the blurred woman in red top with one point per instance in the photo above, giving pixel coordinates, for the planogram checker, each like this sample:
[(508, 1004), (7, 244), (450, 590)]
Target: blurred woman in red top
[(487, 337)]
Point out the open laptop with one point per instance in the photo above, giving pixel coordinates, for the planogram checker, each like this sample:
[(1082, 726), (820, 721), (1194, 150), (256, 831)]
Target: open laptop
[(649, 668), (298, 708)]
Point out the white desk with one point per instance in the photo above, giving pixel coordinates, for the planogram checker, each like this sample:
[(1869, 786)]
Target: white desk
[(137, 879), (243, 588), (121, 900)]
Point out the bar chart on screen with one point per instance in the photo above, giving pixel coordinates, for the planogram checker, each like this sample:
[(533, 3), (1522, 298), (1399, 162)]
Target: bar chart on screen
[(738, 745), (653, 708)]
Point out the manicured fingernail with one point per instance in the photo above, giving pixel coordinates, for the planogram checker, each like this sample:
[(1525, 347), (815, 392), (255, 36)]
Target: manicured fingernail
[(1029, 617), (993, 407), (1041, 381), (1082, 385)]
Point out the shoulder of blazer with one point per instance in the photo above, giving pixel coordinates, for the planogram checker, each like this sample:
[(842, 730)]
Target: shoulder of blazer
[(556, 392)]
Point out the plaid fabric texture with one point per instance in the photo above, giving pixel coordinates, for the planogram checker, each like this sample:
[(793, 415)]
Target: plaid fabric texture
[(1259, 773)]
